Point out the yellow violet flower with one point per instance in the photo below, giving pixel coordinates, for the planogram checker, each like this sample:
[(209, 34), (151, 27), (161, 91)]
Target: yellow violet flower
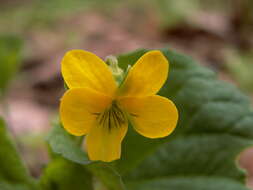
[(97, 107)]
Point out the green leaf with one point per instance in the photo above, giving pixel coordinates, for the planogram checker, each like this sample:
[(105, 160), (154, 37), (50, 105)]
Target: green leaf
[(69, 147), (133, 152), (215, 125), (66, 145), (10, 58), (107, 175), (12, 169), (64, 175), (182, 183)]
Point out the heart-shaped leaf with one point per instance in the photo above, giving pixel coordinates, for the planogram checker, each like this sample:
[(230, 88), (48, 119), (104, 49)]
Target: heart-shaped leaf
[(215, 126)]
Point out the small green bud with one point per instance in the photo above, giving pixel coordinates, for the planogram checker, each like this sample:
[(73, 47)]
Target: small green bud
[(117, 72)]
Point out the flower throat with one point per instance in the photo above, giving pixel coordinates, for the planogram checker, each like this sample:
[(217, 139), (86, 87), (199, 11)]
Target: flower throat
[(112, 117)]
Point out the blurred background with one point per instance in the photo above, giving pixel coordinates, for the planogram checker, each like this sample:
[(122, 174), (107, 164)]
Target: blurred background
[(35, 34)]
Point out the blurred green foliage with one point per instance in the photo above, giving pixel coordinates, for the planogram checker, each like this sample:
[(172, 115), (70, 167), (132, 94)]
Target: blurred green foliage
[(27, 15), (240, 67), (12, 168), (65, 175), (10, 59), (173, 12), (6, 186)]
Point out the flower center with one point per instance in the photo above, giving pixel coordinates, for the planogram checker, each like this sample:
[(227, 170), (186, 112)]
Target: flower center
[(112, 117)]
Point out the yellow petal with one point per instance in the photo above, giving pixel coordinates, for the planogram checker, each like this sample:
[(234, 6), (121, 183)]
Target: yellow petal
[(103, 142), (147, 76), (79, 108), (152, 116), (84, 69)]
